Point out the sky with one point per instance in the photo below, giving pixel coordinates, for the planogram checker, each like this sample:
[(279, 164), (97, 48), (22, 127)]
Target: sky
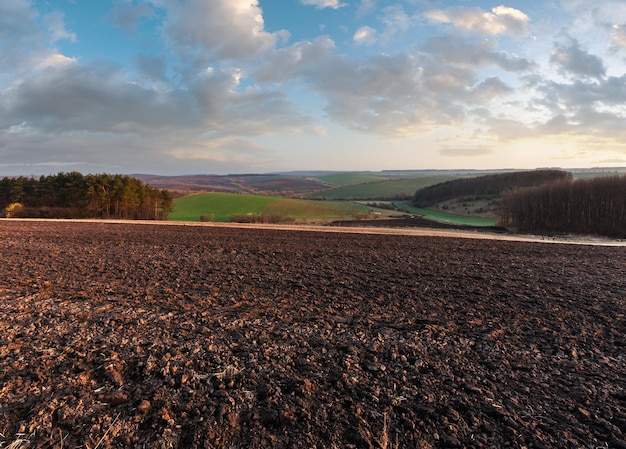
[(177, 87)]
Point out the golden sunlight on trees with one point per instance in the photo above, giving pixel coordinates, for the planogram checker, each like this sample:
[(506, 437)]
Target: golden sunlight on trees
[(72, 195)]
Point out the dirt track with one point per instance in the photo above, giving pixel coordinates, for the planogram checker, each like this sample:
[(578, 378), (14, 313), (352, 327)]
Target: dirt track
[(118, 335)]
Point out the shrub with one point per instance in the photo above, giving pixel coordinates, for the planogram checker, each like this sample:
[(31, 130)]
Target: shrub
[(244, 218), (362, 216), (49, 212), (12, 210), (275, 218)]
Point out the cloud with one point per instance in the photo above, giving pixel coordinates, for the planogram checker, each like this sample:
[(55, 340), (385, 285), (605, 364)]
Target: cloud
[(604, 14), (252, 111), (395, 20), (365, 36), (573, 60), (389, 95), (93, 98), (199, 23), (73, 113), (402, 94), (580, 110), (153, 67), (54, 60), (586, 122), (22, 40), (294, 61), (58, 110), (170, 153), (488, 90), (618, 36), (127, 16), (321, 4), (458, 51), (365, 7), (55, 23), (17, 15), (501, 20), (218, 80), (104, 98), (585, 107), (469, 150), (609, 92)]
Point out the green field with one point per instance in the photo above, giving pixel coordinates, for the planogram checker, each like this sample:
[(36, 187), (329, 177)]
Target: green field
[(222, 206), (381, 190), (446, 217)]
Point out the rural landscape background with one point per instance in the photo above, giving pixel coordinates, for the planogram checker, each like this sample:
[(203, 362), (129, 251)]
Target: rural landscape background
[(544, 201)]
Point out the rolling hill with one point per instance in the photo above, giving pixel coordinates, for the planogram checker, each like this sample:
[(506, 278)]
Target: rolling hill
[(226, 206), (478, 196)]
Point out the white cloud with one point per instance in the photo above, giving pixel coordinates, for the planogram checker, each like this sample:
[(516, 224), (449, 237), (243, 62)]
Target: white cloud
[(568, 98), (366, 7), (396, 20), (72, 113), (501, 20), (488, 90), (226, 29), (25, 41), (55, 60), (219, 80), (400, 94), (580, 110), (618, 35), (57, 109), (513, 21), (104, 98), (16, 15), (294, 61), (252, 111), (21, 39), (365, 36), (55, 23), (458, 51), (607, 12), (321, 4), (388, 95), (465, 150)]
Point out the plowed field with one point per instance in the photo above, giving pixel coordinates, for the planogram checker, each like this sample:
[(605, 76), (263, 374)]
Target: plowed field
[(122, 335)]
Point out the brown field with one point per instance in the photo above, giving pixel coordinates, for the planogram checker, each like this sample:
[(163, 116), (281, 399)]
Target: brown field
[(252, 184), (123, 335)]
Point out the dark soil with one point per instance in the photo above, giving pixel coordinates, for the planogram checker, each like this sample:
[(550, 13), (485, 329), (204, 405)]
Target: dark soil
[(122, 335)]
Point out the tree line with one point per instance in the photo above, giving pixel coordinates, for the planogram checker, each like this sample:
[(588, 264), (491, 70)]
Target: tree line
[(592, 206), (72, 195), (488, 185)]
